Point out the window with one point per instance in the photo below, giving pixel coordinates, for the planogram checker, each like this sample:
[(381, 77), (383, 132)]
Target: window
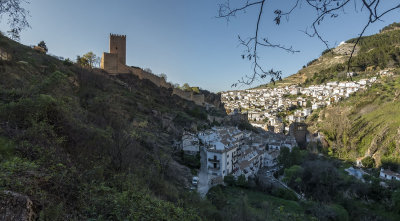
[(227, 163), (215, 157), (227, 156), (215, 165)]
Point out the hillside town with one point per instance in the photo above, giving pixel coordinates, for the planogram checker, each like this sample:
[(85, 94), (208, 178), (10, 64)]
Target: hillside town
[(274, 109), (227, 150)]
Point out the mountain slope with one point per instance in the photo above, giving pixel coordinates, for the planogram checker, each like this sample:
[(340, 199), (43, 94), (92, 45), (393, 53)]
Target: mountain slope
[(84, 145), (366, 124), (373, 53)]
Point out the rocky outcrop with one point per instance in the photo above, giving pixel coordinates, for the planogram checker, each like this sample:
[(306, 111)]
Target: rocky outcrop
[(214, 99), (345, 49), (16, 207)]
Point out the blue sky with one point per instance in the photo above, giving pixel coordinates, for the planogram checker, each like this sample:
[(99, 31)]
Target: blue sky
[(182, 38)]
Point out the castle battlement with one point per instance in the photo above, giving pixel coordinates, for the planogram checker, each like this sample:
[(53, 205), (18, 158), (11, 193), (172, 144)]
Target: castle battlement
[(117, 35)]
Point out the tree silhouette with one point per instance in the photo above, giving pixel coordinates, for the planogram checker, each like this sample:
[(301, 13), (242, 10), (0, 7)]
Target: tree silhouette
[(43, 45), (324, 9), (16, 16)]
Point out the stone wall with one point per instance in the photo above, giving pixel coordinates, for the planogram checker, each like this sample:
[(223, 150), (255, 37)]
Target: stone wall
[(183, 94), (160, 82), (142, 74), (188, 95), (109, 62)]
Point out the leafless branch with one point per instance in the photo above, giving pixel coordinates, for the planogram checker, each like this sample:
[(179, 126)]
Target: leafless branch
[(16, 14), (252, 43), (324, 9)]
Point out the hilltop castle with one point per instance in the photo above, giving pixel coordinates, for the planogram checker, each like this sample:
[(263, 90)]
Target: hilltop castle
[(115, 61)]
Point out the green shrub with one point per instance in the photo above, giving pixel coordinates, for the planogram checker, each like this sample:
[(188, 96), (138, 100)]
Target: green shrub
[(68, 62), (242, 182), (217, 197), (284, 194), (6, 148), (230, 180), (192, 161), (368, 162)]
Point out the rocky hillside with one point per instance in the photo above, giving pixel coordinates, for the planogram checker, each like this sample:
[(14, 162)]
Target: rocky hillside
[(78, 144)]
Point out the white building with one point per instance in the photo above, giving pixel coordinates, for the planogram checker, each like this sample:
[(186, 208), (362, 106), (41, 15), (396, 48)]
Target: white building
[(221, 144), (389, 175)]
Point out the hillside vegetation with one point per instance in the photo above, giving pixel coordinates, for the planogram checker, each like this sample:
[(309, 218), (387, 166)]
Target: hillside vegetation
[(373, 53), (366, 124), (84, 145)]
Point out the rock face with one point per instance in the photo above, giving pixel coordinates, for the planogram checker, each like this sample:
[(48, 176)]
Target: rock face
[(16, 207), (345, 49)]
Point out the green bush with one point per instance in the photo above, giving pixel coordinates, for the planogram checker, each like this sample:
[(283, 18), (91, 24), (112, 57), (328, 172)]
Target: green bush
[(192, 161), (242, 182), (368, 162), (68, 62), (130, 203), (7, 148), (217, 197), (197, 113), (230, 180), (284, 194)]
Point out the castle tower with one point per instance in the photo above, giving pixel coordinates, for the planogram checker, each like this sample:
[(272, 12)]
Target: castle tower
[(115, 61), (118, 46)]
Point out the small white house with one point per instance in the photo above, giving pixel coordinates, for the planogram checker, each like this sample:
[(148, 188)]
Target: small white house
[(389, 175)]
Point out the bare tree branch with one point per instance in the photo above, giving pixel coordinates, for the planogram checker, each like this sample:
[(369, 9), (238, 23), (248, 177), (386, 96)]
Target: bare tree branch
[(252, 43), (16, 14), (324, 9)]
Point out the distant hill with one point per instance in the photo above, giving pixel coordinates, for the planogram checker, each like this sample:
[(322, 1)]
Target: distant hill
[(372, 54)]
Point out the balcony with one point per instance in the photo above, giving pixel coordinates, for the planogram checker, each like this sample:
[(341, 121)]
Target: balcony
[(213, 160)]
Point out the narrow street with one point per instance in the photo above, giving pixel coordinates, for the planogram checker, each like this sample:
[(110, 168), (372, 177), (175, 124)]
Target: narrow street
[(203, 185)]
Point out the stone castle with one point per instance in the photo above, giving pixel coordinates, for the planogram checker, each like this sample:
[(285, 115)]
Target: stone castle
[(114, 62)]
